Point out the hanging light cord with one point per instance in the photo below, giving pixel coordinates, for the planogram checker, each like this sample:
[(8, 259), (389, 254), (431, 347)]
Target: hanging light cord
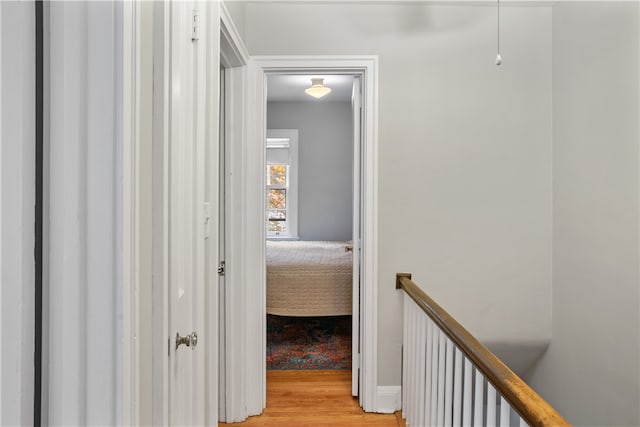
[(498, 57)]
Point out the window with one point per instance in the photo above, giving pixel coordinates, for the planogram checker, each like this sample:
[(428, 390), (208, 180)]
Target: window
[(282, 184)]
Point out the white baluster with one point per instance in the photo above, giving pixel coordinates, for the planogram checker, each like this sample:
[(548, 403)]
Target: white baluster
[(409, 350), (405, 354), (422, 346), (431, 329), (457, 389), (414, 364), (491, 405), (417, 367), (441, 384), (448, 384), (523, 423), (433, 407), (478, 400), (505, 412), (467, 406)]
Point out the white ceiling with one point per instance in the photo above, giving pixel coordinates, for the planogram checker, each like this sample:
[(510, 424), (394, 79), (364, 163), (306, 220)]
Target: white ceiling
[(290, 87)]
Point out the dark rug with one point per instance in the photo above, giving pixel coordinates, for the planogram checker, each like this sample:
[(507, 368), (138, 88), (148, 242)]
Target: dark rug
[(308, 342)]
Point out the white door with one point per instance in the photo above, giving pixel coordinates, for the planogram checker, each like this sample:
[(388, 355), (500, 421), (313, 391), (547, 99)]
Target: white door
[(356, 105), (185, 222)]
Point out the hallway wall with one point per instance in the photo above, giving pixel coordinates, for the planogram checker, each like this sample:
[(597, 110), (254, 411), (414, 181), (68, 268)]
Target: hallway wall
[(464, 157), (17, 200), (591, 370)]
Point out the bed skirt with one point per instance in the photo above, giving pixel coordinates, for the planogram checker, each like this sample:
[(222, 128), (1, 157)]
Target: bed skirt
[(309, 278)]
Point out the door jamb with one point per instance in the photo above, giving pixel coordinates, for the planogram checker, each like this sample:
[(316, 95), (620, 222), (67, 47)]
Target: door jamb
[(160, 230), (233, 55), (253, 225), (129, 389), (207, 109)]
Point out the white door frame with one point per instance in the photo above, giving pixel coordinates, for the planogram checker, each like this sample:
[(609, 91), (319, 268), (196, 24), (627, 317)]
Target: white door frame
[(207, 111), (160, 261), (233, 375), (252, 221), (356, 123)]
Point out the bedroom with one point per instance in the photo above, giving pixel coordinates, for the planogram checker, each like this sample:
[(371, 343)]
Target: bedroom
[(309, 222)]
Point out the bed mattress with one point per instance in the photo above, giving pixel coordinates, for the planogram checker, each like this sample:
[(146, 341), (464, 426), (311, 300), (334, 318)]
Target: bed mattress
[(309, 278)]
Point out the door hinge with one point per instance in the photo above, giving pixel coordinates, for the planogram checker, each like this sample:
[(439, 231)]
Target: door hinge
[(195, 25), (222, 268)]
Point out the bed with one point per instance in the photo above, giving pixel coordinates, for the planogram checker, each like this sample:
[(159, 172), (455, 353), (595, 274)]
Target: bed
[(309, 278)]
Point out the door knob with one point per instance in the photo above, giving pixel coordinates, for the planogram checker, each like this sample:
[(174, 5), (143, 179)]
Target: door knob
[(194, 339), (190, 340)]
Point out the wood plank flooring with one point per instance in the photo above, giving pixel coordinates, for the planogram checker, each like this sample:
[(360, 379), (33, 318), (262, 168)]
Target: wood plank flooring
[(314, 398)]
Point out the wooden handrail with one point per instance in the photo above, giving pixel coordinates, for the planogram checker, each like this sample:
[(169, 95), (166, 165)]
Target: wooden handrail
[(529, 404)]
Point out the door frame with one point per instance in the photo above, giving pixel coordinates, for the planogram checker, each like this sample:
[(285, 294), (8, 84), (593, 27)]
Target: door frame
[(234, 57), (207, 110), (252, 221)]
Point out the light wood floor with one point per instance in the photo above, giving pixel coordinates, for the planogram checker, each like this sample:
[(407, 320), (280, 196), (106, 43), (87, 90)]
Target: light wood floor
[(314, 398)]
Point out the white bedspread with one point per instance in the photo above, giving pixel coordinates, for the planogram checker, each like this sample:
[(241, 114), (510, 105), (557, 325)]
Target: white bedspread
[(309, 278)]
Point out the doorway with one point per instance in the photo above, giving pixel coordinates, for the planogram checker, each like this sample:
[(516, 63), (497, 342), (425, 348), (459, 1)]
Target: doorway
[(245, 264), (312, 216)]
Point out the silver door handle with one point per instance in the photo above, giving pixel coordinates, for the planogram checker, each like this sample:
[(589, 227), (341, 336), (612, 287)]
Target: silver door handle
[(194, 339), (190, 340)]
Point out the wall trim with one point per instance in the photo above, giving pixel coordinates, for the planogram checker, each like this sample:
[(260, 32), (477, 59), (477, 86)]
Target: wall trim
[(389, 399), (213, 316), (232, 378), (129, 392), (160, 226)]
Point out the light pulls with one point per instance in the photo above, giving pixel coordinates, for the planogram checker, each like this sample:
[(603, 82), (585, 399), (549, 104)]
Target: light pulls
[(498, 56)]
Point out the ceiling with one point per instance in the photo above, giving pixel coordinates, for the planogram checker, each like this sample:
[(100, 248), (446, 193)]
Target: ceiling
[(290, 87)]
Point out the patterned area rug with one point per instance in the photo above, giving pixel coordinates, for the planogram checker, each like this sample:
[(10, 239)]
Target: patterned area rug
[(308, 342)]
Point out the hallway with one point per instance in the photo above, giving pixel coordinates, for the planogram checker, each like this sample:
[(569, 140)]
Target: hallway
[(314, 398)]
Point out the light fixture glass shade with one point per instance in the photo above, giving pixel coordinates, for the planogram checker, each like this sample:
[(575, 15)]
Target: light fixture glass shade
[(317, 89)]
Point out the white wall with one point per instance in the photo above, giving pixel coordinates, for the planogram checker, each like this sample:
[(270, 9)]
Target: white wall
[(85, 180), (237, 11), (325, 159), (465, 156), (591, 370), (17, 193)]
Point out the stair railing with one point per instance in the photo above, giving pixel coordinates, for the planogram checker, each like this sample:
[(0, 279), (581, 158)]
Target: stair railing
[(450, 379)]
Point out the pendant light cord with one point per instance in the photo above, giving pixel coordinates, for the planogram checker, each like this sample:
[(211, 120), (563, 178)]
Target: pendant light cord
[(498, 7), (498, 57)]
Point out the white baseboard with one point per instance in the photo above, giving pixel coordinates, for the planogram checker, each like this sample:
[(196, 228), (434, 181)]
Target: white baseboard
[(389, 399)]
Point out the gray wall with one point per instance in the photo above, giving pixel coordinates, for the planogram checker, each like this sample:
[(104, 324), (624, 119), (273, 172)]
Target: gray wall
[(325, 153), (237, 11), (591, 370), (17, 198), (464, 155)]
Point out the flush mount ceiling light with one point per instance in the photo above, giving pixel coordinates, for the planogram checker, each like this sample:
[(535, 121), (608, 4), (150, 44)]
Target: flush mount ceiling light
[(317, 89)]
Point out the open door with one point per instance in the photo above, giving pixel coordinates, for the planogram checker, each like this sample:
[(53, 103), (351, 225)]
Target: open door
[(356, 105), (186, 197)]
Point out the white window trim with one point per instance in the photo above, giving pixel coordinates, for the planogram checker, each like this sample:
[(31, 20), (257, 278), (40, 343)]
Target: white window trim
[(292, 191)]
